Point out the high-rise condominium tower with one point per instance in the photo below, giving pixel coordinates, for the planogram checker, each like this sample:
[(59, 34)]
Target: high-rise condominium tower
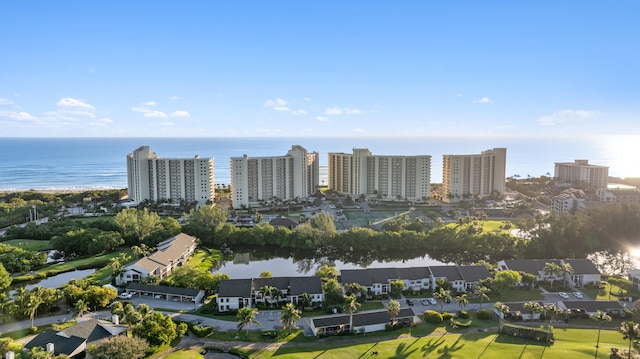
[(469, 176), (393, 177), (153, 178), (582, 172), (271, 179)]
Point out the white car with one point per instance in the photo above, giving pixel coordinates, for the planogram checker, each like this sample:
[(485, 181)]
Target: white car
[(432, 301), (125, 295), (578, 295), (563, 295)]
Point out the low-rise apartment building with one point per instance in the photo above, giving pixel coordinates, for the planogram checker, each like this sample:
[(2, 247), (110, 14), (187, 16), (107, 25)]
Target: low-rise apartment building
[(171, 253)]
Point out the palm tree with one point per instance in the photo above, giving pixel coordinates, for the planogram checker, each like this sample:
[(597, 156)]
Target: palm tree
[(393, 308), (462, 300), (442, 296), (482, 293), (565, 268), (289, 315), (600, 317), (552, 270), (351, 305), (32, 305), (81, 306), (246, 316), (631, 331), (267, 291)]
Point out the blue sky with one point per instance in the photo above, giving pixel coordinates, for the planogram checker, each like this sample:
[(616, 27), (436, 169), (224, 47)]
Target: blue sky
[(319, 68)]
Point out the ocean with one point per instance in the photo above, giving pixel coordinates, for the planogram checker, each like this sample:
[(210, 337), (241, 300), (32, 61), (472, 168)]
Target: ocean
[(99, 163)]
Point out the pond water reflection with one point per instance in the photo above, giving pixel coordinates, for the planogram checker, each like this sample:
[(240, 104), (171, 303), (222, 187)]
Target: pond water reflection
[(249, 264)]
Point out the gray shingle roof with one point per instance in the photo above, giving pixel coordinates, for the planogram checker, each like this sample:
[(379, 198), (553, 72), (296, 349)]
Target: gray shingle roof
[(235, 288), (450, 272), (474, 273), (582, 266), (592, 306), (532, 266)]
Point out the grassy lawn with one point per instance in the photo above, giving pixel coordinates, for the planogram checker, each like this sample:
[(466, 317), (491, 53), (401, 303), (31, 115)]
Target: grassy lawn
[(84, 263), (204, 258), (517, 295), (29, 244), (570, 343)]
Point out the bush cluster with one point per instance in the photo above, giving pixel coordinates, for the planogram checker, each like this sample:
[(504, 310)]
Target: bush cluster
[(433, 317), (537, 334)]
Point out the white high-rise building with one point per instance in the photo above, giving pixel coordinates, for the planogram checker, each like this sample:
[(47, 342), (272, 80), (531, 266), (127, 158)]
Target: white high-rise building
[(266, 179), (468, 176), (392, 177), (582, 172), (153, 178)]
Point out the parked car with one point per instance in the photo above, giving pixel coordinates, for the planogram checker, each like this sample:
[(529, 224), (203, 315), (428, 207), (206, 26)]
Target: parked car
[(424, 302), (578, 295), (409, 302), (125, 295), (563, 295), (432, 301)]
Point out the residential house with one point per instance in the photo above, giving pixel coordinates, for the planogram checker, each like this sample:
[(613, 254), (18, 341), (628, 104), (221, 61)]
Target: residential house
[(378, 280), (74, 340), (584, 271), (171, 253), (234, 294), (285, 222)]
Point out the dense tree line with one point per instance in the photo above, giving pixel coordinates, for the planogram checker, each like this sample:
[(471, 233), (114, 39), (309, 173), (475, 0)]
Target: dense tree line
[(607, 227), (86, 241), (16, 259)]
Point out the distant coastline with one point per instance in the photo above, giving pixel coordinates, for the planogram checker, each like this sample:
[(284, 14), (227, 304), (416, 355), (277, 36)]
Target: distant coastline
[(79, 164)]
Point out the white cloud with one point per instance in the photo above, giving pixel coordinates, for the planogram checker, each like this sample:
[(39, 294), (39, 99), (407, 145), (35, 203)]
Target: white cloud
[(5, 101), (307, 99), (150, 103), (483, 101), (566, 116), (69, 102), (282, 108), (358, 131), (102, 122), (166, 123), (156, 114), (459, 95), (322, 119), (140, 109), (180, 114), (298, 112), (18, 116), (276, 103), (336, 111), (173, 98)]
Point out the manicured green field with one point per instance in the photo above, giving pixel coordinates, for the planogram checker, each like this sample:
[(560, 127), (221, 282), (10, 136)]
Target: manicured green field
[(570, 343), (29, 244), (203, 259), (193, 353)]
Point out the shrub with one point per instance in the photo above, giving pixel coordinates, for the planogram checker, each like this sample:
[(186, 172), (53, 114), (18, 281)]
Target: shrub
[(433, 317), (388, 327), (447, 316), (538, 334), (463, 314), (484, 314), (33, 330)]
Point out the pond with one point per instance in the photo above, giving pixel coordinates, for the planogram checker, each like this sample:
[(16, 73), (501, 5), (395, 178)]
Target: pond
[(251, 264), (59, 280)]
